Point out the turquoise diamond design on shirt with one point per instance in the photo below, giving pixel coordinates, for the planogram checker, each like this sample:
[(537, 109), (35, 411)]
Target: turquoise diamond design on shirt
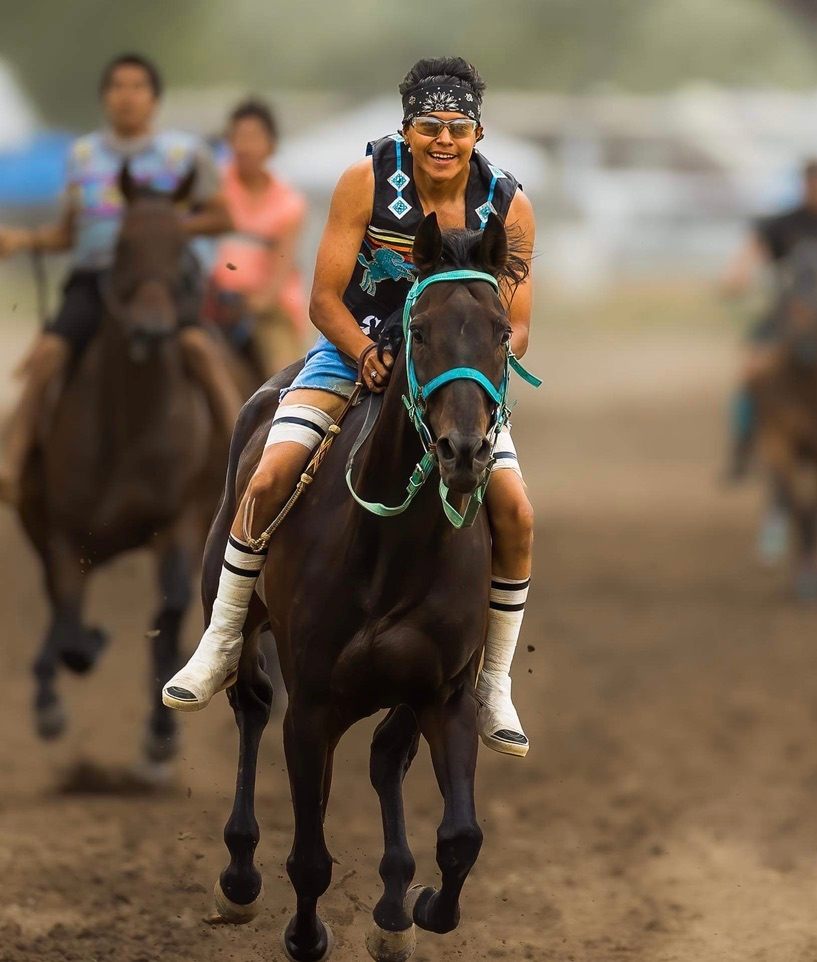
[(496, 172), (399, 207), (398, 180), (485, 211)]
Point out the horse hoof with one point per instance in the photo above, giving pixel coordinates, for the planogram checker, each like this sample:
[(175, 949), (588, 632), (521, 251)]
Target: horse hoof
[(81, 660), (385, 946), (232, 912), (325, 948), (51, 721), (153, 775)]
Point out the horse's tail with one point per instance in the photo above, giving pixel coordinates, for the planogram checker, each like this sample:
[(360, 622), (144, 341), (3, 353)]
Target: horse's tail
[(256, 413)]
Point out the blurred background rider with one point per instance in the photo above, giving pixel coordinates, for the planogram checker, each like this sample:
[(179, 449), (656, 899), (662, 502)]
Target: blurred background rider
[(130, 88), (257, 292), (771, 242)]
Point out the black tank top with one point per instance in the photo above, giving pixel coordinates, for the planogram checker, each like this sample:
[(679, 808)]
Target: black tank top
[(384, 273)]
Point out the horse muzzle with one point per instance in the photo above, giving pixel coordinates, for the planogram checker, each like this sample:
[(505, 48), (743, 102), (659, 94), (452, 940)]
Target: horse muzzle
[(463, 460)]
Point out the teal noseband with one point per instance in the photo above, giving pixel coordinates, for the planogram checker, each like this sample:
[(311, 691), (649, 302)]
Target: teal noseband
[(417, 397)]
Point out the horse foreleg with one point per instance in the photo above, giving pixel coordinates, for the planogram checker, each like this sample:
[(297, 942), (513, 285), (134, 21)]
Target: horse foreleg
[(239, 888), (308, 743), (392, 938), (66, 640), (174, 570), (451, 732)]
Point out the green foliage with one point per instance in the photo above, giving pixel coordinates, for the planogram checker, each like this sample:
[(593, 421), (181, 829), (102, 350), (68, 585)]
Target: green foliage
[(364, 46)]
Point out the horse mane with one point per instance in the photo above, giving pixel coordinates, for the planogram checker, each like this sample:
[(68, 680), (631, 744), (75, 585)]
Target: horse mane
[(461, 251)]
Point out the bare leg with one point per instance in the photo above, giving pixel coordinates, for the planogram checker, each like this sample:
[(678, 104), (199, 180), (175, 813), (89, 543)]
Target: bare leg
[(307, 742), (450, 730), (511, 518), (393, 749), (239, 888), (44, 366)]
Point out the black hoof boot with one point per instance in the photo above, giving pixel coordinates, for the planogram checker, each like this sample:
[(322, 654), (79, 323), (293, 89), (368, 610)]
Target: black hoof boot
[(81, 658)]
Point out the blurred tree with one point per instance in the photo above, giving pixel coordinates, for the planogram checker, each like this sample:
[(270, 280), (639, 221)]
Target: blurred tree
[(364, 46)]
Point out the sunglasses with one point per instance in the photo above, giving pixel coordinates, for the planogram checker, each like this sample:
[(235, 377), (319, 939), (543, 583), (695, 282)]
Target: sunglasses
[(432, 126)]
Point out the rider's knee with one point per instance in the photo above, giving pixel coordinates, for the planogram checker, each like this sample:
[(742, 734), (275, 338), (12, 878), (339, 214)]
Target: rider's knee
[(513, 519)]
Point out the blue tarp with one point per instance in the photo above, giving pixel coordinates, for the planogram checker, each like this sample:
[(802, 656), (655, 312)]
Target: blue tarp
[(34, 173)]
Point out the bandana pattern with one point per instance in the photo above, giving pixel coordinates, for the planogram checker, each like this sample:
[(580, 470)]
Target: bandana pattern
[(430, 97)]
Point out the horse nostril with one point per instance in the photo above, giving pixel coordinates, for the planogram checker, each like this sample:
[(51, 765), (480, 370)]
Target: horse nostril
[(466, 451)]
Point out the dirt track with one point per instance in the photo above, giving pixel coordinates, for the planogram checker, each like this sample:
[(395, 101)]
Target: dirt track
[(667, 811)]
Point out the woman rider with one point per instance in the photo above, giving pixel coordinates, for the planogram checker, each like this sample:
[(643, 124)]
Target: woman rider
[(362, 276)]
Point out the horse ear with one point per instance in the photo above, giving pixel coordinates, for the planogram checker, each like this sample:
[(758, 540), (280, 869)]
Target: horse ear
[(127, 185), (493, 246), (185, 186), (428, 245)]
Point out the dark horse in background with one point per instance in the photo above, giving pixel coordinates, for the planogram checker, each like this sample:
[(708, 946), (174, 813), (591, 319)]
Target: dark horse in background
[(371, 613), (129, 458), (786, 398)]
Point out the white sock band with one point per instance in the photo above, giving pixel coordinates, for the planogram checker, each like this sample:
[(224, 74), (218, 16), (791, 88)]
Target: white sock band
[(301, 423), (507, 609), (239, 572)]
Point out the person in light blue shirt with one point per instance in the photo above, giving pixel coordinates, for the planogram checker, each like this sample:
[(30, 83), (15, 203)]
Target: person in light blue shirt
[(130, 89)]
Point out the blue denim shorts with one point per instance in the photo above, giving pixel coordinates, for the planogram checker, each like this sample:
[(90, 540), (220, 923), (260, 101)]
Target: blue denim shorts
[(325, 369)]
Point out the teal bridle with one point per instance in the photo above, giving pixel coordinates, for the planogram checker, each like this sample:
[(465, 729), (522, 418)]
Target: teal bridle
[(416, 400)]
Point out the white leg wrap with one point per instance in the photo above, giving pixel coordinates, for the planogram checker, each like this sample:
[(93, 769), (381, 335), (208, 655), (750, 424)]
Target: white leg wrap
[(216, 659), (498, 721), (505, 458), (301, 423)]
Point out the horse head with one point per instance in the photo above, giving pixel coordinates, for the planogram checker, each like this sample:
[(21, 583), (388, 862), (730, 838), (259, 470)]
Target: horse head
[(460, 326), (147, 277)]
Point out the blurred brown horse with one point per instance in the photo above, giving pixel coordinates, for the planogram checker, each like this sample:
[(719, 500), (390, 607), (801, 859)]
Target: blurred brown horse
[(785, 394), (129, 458)]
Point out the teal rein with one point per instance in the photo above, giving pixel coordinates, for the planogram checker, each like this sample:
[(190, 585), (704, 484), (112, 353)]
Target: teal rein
[(415, 401)]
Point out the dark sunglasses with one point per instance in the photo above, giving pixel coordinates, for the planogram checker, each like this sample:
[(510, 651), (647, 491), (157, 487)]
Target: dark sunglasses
[(432, 126)]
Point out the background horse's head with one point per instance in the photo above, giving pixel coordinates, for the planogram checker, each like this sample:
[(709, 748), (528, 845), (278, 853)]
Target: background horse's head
[(799, 303), (462, 324), (147, 277)]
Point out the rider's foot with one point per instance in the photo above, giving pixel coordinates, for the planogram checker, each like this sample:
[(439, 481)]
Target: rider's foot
[(214, 665), (497, 720), (212, 668)]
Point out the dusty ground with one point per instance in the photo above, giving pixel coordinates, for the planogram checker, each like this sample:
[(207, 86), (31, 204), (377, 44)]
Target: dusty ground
[(668, 808)]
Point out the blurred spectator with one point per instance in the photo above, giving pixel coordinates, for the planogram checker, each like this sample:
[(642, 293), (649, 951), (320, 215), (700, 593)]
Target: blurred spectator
[(257, 292)]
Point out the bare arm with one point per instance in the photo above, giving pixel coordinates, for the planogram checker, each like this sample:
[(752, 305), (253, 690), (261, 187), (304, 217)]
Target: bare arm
[(349, 215), (740, 271), (520, 216), (212, 217), (53, 237)]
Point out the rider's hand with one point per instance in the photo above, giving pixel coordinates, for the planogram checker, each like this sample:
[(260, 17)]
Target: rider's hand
[(376, 373), (13, 240)]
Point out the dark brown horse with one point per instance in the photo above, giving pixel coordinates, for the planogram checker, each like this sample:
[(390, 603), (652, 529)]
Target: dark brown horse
[(128, 459), (371, 613), (786, 398)]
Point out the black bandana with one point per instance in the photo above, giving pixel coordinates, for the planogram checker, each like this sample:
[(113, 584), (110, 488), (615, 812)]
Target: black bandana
[(430, 96)]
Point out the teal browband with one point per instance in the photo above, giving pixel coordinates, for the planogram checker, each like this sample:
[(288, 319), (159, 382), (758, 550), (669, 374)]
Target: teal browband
[(417, 397)]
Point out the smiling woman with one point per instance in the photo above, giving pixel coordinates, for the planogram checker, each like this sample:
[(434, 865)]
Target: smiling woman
[(366, 265)]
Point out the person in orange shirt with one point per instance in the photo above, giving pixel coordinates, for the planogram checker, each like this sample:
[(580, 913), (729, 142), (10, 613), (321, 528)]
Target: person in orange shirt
[(256, 270)]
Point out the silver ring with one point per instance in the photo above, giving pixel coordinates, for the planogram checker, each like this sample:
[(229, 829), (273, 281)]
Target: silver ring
[(374, 375)]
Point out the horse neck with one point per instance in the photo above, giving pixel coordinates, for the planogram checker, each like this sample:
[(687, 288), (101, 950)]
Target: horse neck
[(136, 396), (394, 446)]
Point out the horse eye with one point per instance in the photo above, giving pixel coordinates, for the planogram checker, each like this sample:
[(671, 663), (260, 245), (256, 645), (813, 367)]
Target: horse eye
[(506, 336), (416, 335)]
